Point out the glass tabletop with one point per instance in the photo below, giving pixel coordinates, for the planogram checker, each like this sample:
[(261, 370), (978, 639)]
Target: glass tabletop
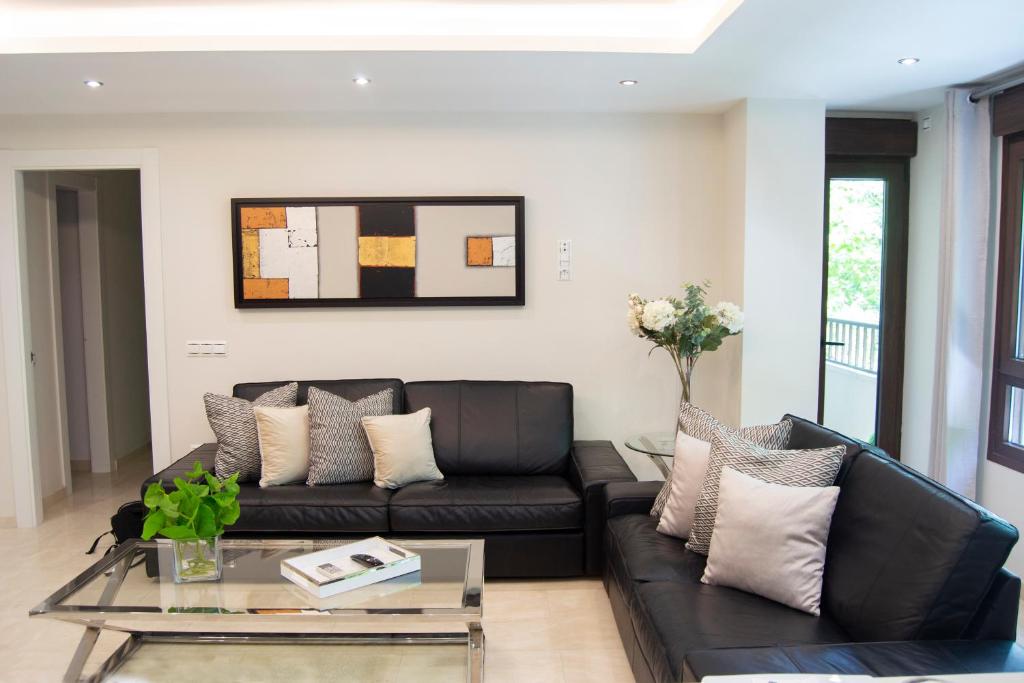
[(653, 443), (137, 581)]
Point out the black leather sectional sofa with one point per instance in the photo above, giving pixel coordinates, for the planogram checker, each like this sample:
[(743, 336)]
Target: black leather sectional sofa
[(914, 585), (513, 476)]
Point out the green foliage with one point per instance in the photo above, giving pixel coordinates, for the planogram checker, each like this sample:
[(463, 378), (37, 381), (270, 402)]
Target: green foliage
[(856, 209), (200, 506)]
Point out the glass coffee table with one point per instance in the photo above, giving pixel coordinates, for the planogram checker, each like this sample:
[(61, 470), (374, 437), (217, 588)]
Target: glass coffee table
[(132, 591), (658, 446)]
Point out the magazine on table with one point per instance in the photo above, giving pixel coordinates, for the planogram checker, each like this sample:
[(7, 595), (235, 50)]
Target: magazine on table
[(346, 567)]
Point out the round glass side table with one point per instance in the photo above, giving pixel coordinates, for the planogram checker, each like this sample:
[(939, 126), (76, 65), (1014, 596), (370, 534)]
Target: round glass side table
[(657, 446)]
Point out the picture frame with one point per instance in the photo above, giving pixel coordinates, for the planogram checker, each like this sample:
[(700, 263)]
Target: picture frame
[(336, 252)]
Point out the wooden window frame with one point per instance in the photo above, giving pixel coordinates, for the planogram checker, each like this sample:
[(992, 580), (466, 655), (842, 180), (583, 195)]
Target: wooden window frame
[(1007, 368)]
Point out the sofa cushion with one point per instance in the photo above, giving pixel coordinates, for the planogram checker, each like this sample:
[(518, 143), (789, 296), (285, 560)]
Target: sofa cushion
[(301, 509), (673, 619), (497, 428), (487, 504), (907, 558), (638, 552), (351, 389)]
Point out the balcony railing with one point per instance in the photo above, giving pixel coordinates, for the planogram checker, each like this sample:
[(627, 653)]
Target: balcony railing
[(852, 344)]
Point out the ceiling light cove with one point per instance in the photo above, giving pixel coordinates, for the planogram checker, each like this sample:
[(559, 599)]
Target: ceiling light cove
[(92, 83), (908, 61), (637, 26)]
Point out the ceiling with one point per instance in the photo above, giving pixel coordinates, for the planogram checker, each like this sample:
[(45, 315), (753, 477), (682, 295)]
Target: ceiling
[(841, 51)]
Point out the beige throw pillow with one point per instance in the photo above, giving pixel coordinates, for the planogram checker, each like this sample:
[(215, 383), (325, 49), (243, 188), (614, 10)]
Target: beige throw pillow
[(702, 425), (810, 467), (284, 444), (770, 539), (688, 468), (403, 451)]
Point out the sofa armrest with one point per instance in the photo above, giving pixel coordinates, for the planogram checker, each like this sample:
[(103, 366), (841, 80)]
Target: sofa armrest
[(633, 498), (894, 658), (996, 617), (593, 465), (204, 454)]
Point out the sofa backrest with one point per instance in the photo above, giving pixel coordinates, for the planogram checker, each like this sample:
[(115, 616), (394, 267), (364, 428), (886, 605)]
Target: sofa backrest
[(907, 558), (351, 389), (807, 434), (497, 428)]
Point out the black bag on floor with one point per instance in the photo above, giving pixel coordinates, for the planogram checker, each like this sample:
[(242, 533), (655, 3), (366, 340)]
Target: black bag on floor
[(125, 524)]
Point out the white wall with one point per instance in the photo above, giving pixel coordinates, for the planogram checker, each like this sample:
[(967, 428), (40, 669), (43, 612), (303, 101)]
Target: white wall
[(926, 177), (782, 252), (124, 310), (45, 370), (639, 195), (850, 398)]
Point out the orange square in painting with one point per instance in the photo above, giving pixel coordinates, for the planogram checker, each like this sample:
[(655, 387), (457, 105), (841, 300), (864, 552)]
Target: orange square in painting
[(265, 288), (254, 217), (479, 251)]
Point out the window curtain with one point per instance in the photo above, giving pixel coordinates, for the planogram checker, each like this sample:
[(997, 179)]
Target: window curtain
[(963, 253)]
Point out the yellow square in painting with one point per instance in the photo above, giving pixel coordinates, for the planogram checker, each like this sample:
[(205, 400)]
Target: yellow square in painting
[(267, 288), (250, 254), (479, 251), (387, 252), (254, 217)]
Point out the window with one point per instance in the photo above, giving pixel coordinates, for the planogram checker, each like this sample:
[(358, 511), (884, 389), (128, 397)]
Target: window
[(1006, 431)]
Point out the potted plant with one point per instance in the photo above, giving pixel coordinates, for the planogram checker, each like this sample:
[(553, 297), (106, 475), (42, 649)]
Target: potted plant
[(193, 517), (686, 328)]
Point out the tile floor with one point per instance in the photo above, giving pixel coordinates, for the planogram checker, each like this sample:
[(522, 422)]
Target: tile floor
[(537, 631)]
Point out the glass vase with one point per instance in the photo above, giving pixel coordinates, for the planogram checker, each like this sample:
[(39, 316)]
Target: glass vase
[(197, 560)]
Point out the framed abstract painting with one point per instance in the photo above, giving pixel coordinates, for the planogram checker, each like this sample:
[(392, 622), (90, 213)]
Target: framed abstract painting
[(378, 251)]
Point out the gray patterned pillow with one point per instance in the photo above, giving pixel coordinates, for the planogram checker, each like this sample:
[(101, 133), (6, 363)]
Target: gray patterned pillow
[(702, 425), (234, 424), (339, 451), (812, 467)]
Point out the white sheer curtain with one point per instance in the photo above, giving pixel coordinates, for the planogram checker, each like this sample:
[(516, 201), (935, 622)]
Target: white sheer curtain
[(963, 254)]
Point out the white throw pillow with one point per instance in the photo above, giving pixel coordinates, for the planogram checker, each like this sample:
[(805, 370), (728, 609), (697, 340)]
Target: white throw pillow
[(675, 504), (688, 467), (284, 444), (770, 539), (403, 451)]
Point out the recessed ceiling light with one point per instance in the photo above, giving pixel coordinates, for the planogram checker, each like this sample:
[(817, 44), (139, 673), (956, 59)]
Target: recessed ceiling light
[(93, 83), (361, 80), (628, 81), (908, 61)]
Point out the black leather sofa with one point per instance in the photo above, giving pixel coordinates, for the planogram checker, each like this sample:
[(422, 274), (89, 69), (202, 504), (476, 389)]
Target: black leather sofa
[(914, 585), (513, 476)]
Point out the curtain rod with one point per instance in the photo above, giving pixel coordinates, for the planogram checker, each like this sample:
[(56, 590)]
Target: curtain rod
[(997, 87)]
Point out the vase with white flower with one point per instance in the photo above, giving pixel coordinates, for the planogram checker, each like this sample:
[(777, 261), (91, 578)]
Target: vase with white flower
[(685, 327)]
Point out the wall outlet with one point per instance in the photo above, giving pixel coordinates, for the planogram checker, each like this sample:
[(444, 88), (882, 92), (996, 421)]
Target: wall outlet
[(564, 260), (206, 348)]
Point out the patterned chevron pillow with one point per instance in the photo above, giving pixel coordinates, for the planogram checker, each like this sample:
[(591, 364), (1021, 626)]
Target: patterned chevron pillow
[(812, 467), (700, 425), (339, 451), (234, 423)]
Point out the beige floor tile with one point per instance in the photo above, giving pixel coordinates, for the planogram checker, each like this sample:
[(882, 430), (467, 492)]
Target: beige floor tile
[(524, 666), (607, 666)]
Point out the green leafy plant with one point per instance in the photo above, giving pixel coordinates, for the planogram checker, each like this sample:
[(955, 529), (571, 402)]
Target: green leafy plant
[(685, 327), (199, 508)]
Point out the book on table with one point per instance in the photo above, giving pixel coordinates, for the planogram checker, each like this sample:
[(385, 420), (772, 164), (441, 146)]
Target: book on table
[(336, 570)]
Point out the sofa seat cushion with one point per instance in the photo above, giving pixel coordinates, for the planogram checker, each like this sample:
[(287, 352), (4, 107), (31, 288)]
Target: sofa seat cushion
[(902, 658), (505, 503), (297, 508), (637, 552), (673, 619)]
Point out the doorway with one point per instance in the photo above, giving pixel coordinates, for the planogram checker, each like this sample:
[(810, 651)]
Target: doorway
[(87, 333), (860, 392)]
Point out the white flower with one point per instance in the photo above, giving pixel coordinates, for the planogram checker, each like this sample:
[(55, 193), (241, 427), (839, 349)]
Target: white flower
[(658, 315), (633, 320), (730, 315)]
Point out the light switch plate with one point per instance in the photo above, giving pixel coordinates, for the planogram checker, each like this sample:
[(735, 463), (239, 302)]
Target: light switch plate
[(206, 348), (564, 260)]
